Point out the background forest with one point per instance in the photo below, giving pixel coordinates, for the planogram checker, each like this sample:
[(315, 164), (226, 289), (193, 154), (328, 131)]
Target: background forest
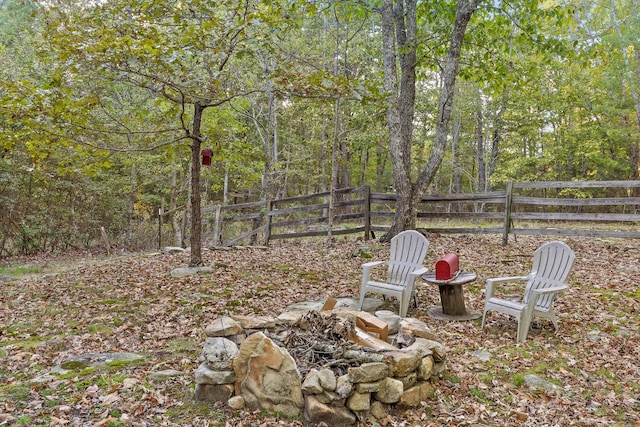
[(100, 102)]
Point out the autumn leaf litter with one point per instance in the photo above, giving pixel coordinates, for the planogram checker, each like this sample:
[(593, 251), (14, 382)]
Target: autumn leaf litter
[(131, 304)]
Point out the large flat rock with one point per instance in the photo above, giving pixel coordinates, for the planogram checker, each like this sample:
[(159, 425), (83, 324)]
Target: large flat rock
[(352, 304)]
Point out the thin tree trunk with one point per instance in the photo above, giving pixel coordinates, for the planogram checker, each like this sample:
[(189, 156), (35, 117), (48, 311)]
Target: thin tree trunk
[(173, 204), (497, 136), (132, 202), (398, 27), (455, 148), (480, 146), (196, 211), (334, 171)]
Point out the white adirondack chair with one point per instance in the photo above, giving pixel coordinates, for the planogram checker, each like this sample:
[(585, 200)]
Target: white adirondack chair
[(552, 264), (408, 250)]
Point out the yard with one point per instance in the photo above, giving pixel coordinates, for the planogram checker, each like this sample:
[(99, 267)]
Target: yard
[(56, 308)]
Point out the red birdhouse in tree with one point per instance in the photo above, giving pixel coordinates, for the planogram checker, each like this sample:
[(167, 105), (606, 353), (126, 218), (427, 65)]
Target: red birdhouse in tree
[(207, 154)]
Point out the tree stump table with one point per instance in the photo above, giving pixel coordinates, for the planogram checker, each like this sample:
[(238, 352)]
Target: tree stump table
[(451, 297)]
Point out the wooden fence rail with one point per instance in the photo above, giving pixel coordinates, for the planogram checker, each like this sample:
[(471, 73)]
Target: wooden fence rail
[(604, 208)]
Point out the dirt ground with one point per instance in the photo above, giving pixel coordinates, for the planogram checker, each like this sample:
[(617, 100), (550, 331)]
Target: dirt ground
[(55, 309)]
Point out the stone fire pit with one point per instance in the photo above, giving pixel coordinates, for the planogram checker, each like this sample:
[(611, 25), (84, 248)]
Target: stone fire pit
[(308, 363)]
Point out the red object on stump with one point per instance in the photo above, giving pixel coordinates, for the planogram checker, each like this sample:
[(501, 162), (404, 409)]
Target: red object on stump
[(207, 154), (447, 266)]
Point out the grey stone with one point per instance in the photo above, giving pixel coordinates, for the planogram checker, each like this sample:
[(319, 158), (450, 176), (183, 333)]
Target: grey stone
[(327, 379), (536, 383), (482, 355), (316, 412), (594, 335), (429, 346), (92, 360), (223, 326), (205, 375), (190, 271), (349, 304), (311, 384), (379, 410), (416, 328), (255, 322), (391, 319), (290, 317), (213, 392), (414, 396), (424, 346), (390, 390), (330, 397), (368, 387), (41, 379), (236, 402), (409, 380), (368, 372), (359, 401), (426, 368), (344, 386), (173, 249), (403, 362), (220, 353)]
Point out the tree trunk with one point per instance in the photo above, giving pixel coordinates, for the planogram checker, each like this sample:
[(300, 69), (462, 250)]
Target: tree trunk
[(334, 172), (455, 148), (465, 10), (196, 214), (399, 35), (133, 179), (398, 27), (497, 136), (173, 204), (480, 152)]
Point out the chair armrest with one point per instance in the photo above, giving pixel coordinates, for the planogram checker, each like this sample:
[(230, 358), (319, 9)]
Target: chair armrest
[(419, 272), (491, 289), (538, 293), (366, 269), (552, 290), (508, 279), (372, 264)]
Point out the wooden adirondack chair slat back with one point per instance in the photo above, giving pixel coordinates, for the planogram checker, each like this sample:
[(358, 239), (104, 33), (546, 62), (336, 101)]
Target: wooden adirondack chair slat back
[(408, 251), (552, 264)]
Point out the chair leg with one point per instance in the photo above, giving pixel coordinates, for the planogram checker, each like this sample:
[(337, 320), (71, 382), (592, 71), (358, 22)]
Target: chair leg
[(524, 322), (484, 318), (404, 305), (554, 320), (363, 291)]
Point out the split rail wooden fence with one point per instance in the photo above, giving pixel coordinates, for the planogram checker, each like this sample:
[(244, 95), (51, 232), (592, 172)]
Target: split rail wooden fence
[(564, 208)]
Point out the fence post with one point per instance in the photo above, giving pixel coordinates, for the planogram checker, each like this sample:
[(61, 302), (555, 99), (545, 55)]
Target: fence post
[(367, 212), (267, 223), (507, 214), (216, 226), (159, 228)]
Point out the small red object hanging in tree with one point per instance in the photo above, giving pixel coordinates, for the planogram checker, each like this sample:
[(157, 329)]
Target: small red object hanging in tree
[(207, 154)]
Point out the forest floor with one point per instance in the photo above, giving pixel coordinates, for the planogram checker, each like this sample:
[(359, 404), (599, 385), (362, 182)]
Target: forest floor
[(59, 308)]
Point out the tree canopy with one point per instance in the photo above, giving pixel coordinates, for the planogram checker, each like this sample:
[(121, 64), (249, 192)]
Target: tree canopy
[(105, 106)]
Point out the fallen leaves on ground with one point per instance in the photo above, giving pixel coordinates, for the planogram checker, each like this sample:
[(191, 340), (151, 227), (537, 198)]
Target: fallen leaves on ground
[(131, 303)]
